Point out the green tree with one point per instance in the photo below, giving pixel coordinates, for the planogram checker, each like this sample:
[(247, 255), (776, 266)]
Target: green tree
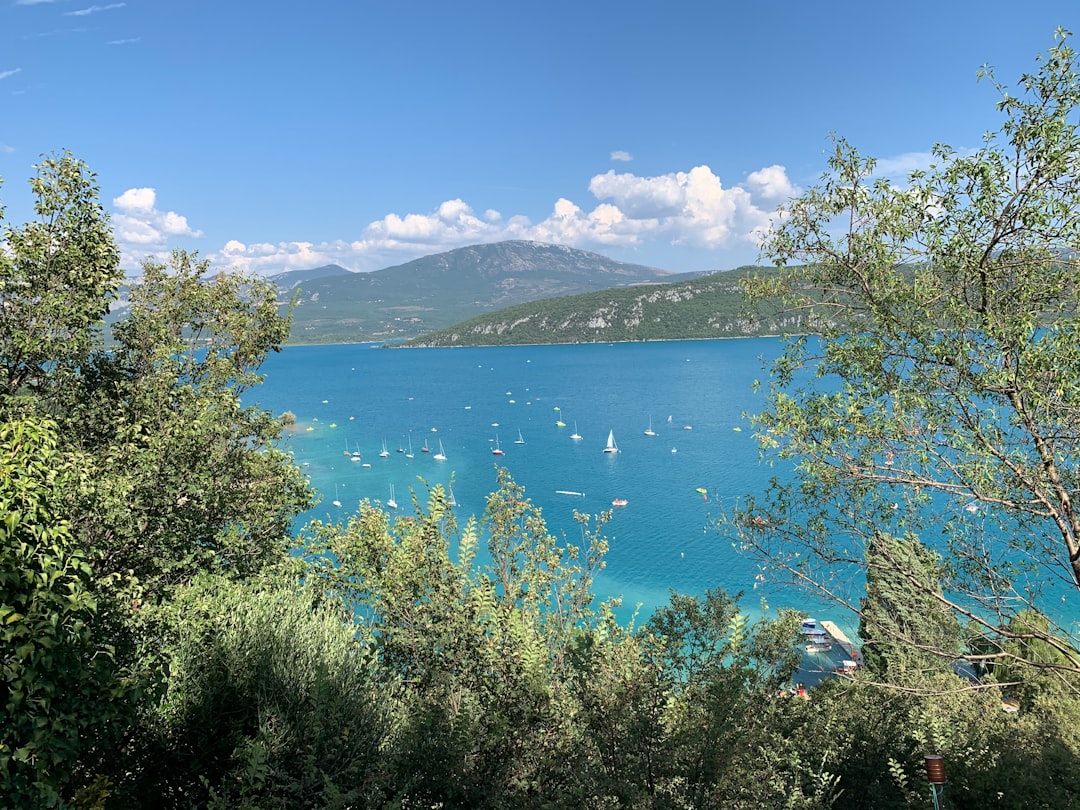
[(937, 396), (57, 277), (185, 477), (902, 628), (56, 692), (269, 702), (478, 645)]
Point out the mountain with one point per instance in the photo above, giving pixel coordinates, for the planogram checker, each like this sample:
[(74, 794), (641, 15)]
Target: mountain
[(437, 291), (292, 279), (708, 306)]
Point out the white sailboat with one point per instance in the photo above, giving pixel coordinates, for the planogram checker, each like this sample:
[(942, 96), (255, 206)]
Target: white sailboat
[(390, 501), (441, 455), (649, 431), (496, 451), (575, 435), (451, 500), (337, 500), (520, 439), (611, 446), (384, 452), (410, 453)]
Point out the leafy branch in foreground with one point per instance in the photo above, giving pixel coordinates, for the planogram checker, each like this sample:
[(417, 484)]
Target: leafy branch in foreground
[(937, 405)]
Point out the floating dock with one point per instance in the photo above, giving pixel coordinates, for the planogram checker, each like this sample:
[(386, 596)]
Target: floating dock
[(845, 642)]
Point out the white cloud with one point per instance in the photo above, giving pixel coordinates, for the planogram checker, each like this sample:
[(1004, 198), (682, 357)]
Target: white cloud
[(7, 74), (83, 12), (692, 209), (901, 166), (6, 148), (622, 156), (771, 183), (136, 199), (127, 41), (32, 2), (141, 229)]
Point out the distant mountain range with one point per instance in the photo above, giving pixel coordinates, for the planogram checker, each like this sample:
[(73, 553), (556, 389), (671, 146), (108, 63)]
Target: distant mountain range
[(434, 292)]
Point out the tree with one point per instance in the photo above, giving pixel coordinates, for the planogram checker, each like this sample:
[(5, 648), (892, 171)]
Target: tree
[(57, 277), (904, 630), (477, 646), (56, 677), (937, 392)]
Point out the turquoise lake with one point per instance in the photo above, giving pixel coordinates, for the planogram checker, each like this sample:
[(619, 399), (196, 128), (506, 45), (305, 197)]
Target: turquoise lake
[(352, 398)]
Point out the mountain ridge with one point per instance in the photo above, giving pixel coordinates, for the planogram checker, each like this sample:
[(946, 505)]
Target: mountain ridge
[(433, 292)]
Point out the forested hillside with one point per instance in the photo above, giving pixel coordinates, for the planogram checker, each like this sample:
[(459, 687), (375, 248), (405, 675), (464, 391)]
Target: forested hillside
[(709, 306)]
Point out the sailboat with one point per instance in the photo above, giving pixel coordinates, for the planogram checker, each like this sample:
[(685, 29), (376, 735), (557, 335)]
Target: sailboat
[(611, 446), (425, 448), (496, 451), (337, 500), (649, 431), (390, 501), (451, 501), (410, 453), (384, 452), (575, 435), (520, 439), (441, 455)]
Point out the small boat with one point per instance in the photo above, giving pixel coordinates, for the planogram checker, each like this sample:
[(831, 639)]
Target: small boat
[(846, 667), (520, 439), (390, 501), (410, 453), (496, 450), (619, 502), (818, 646), (450, 501), (611, 447), (649, 431), (575, 435), (384, 453), (569, 492), (336, 501), (441, 455), (425, 448), (560, 423)]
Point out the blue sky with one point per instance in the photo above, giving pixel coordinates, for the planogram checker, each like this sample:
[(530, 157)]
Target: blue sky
[(285, 135)]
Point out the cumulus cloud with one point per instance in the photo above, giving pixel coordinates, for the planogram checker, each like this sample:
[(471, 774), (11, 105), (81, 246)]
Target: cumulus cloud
[(621, 156), (7, 74), (141, 229), (692, 209)]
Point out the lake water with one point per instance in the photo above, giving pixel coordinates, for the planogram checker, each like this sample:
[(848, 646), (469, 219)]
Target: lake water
[(349, 398)]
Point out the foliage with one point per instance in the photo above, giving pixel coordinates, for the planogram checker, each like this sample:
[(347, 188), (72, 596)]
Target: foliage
[(938, 399), (479, 648), (57, 276), (269, 702), (187, 478), (904, 630), (56, 677)]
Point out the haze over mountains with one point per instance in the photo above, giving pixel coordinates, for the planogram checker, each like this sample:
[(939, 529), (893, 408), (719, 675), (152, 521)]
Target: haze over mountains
[(434, 292)]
